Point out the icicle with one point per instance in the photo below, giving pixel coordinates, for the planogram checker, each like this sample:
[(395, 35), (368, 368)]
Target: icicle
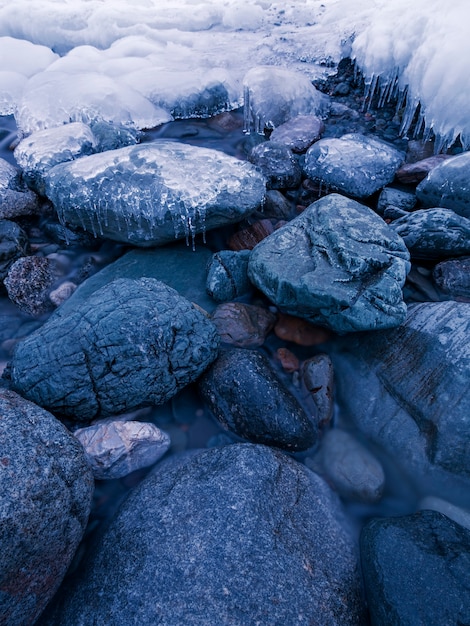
[(246, 111)]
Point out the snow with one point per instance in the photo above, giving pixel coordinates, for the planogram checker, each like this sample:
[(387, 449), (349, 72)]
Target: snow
[(419, 48)]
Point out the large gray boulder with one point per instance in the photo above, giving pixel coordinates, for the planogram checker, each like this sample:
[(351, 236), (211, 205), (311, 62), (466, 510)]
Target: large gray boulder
[(132, 343), (151, 194), (448, 185), (407, 390), (416, 570), (354, 164), (337, 264), (240, 534), (45, 497)]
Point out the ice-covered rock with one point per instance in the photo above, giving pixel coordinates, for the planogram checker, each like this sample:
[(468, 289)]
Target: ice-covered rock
[(43, 149), (116, 448), (274, 95), (448, 185), (278, 165), (434, 233), (237, 534), (355, 164), (152, 194), (132, 343), (337, 265), (16, 199)]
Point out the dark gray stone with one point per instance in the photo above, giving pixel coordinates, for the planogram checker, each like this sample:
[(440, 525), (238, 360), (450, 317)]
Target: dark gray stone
[(354, 164), (448, 185), (14, 244), (389, 196), (299, 133), (238, 535), (16, 199), (154, 193), (337, 265), (453, 277), (434, 233), (417, 570), (247, 398), (407, 390), (276, 206), (227, 275), (29, 282), (45, 498), (132, 343), (278, 165)]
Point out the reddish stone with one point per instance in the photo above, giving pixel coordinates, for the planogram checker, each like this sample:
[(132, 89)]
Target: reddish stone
[(247, 238), (288, 360), (414, 173), (300, 331), (242, 324)]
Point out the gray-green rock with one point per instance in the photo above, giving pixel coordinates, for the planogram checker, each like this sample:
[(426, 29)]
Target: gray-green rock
[(154, 193), (416, 570), (45, 497), (337, 265), (132, 343)]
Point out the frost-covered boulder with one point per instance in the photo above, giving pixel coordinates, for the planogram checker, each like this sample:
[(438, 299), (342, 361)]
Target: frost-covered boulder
[(407, 390), (131, 344), (240, 534), (434, 233), (416, 570), (43, 149), (152, 194), (273, 95), (354, 164), (247, 398), (45, 498), (278, 165), (16, 199), (448, 185), (337, 265)]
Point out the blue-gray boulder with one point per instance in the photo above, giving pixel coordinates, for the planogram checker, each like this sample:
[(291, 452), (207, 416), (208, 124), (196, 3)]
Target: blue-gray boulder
[(46, 488), (338, 265), (240, 534), (416, 570), (448, 185), (354, 164), (132, 343), (227, 275), (278, 165), (152, 194)]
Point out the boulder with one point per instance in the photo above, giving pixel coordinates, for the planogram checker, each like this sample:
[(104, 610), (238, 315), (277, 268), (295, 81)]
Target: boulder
[(452, 276), (46, 488), (227, 275), (29, 282), (240, 534), (132, 343), (416, 570), (16, 200), (298, 133), (391, 197), (336, 265), (447, 185), (354, 164), (278, 165), (154, 193)]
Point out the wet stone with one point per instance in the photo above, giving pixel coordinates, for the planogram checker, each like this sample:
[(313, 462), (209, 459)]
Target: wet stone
[(336, 265), (299, 331), (45, 496), (298, 133), (278, 165), (318, 378), (116, 448), (453, 277), (276, 206), (16, 200), (40, 151), (132, 343), (110, 136), (14, 244), (289, 362), (247, 398), (448, 185), (416, 570), (434, 233), (29, 283), (414, 173), (237, 534), (355, 164), (154, 193), (397, 198), (247, 238), (227, 275), (243, 325)]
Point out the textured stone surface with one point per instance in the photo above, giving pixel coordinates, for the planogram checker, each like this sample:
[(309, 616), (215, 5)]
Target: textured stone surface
[(448, 185), (407, 390), (337, 265), (115, 448), (227, 275), (241, 324), (434, 233), (132, 343), (16, 199), (29, 282), (154, 193), (417, 570), (453, 277), (354, 164), (14, 244), (278, 165), (414, 173), (235, 535), (318, 378), (43, 149), (247, 238), (248, 399), (389, 196), (45, 497), (299, 133)]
